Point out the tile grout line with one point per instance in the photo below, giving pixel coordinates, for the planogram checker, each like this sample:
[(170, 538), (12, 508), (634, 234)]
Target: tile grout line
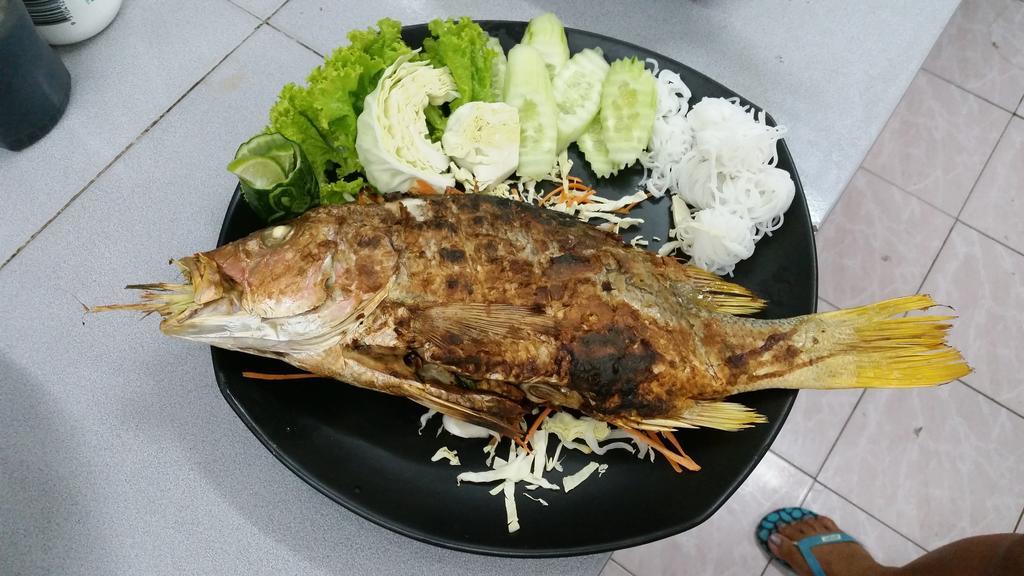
[(124, 151), (912, 194), (276, 10), (952, 83), (840, 435), (873, 517), (802, 498), (829, 303), (611, 560), (984, 166), (990, 237), (791, 463), (296, 40), (244, 9), (963, 205), (991, 399)]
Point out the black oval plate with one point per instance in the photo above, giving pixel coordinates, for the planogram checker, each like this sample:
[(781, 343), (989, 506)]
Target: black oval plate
[(360, 448)]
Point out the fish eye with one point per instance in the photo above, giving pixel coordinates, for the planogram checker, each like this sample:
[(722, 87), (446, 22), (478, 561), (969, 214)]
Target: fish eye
[(275, 235)]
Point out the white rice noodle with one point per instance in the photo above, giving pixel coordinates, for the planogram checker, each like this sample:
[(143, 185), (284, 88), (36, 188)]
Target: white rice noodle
[(718, 157), (717, 239)]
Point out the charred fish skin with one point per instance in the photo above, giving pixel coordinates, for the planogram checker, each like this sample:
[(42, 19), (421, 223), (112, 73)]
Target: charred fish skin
[(425, 297)]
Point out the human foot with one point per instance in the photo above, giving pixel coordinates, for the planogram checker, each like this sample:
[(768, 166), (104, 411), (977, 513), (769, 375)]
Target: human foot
[(836, 559)]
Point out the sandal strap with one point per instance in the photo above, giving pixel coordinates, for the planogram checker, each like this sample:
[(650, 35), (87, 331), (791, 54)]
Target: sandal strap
[(807, 544)]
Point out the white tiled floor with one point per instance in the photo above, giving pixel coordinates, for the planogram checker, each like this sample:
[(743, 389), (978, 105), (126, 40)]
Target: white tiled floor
[(905, 471), (132, 86), (724, 545)]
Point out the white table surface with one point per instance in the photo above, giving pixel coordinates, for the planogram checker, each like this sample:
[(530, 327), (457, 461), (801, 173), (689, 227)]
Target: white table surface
[(118, 455)]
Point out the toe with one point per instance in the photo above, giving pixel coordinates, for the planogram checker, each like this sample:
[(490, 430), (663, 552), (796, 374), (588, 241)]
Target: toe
[(828, 524), (783, 548), (793, 531)]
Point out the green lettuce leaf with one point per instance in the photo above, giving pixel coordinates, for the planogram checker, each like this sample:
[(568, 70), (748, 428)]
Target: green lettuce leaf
[(462, 46), (321, 116)]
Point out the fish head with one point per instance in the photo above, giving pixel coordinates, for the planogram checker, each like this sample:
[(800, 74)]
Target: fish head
[(277, 291)]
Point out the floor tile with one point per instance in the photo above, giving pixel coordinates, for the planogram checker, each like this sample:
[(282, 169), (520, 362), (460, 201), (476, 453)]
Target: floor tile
[(613, 569), (115, 94), (984, 282), (982, 50), (887, 546), (261, 8), (877, 243), (724, 545), (814, 423), (996, 206), (935, 464), (937, 141)]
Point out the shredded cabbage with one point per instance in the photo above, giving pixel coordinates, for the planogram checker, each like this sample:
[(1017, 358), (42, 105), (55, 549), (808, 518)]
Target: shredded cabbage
[(573, 480), (450, 455)]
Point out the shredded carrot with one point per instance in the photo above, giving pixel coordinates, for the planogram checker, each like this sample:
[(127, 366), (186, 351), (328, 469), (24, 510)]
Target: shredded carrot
[(522, 444), (265, 376), (675, 444), (660, 447), (549, 195), (626, 209), (641, 437), (421, 187), (536, 424)]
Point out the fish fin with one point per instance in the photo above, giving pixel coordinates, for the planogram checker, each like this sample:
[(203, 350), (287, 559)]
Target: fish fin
[(721, 295), (871, 346), (720, 415), (899, 352), (448, 324)]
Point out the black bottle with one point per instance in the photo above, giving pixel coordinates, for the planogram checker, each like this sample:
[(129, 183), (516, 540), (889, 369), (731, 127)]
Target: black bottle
[(34, 84)]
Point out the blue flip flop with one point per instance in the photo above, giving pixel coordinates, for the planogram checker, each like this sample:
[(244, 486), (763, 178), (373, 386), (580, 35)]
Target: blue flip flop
[(770, 524)]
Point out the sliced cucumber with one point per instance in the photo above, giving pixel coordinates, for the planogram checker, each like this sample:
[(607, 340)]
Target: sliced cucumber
[(591, 143), (577, 87), (528, 88), (546, 34), (629, 100)]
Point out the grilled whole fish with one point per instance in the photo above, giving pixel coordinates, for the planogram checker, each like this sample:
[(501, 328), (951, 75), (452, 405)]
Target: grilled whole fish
[(480, 307)]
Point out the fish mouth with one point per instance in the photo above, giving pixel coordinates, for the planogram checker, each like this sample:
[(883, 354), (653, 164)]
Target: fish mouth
[(176, 302)]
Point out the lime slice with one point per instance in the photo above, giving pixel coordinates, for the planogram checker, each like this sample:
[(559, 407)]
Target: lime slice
[(259, 172), (273, 146)]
